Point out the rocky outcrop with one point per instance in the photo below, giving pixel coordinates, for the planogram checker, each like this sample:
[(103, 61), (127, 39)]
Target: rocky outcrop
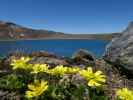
[(80, 58), (120, 50)]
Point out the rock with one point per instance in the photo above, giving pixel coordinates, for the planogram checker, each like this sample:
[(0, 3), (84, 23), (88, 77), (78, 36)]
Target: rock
[(17, 54), (83, 57), (41, 57), (76, 79), (80, 58), (48, 60), (43, 54), (5, 67), (6, 95), (2, 93), (120, 50)]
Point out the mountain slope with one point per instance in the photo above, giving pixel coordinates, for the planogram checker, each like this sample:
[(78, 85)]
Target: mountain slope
[(9, 30)]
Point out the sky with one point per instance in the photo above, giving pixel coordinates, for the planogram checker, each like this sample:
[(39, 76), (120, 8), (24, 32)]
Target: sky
[(69, 16)]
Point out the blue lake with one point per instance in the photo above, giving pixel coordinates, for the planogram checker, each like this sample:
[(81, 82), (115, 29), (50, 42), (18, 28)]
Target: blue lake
[(59, 47)]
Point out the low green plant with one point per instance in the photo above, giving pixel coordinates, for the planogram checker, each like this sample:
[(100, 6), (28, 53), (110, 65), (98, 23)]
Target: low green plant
[(11, 82), (124, 94), (95, 79)]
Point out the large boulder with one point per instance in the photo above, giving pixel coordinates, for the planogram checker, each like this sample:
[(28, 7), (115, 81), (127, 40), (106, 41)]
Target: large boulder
[(84, 57), (120, 50)]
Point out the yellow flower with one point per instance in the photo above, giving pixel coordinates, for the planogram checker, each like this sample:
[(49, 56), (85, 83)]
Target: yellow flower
[(86, 73), (36, 89), (38, 68), (72, 70), (94, 79), (20, 63), (124, 94), (58, 70)]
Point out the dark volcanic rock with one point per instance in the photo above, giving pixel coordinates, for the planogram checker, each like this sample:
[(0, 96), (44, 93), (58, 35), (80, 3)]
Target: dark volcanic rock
[(43, 54), (83, 57), (120, 50), (48, 60)]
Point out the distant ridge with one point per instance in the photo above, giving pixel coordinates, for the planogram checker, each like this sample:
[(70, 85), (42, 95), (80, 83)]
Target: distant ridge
[(9, 30)]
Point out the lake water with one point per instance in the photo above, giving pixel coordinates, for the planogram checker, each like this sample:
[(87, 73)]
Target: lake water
[(59, 47)]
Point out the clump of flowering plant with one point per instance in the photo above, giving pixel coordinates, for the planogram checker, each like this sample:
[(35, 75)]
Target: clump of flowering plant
[(21, 63), (36, 89), (39, 68), (71, 70), (55, 90), (59, 70), (94, 78), (124, 94)]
